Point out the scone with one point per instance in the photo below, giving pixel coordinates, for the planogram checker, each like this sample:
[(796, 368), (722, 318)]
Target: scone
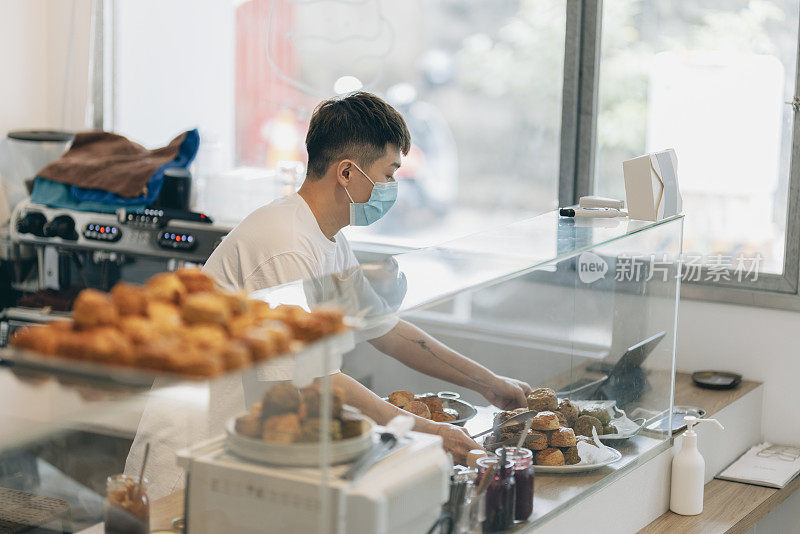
[(279, 399), (195, 280), (549, 456), (570, 411), (166, 287), (248, 425), (433, 402), (545, 421), (205, 308), (282, 428), (312, 400), (571, 456), (129, 299), (535, 441), (418, 408), (41, 339), (543, 399), (93, 308), (401, 398), (584, 424), (235, 355), (563, 437)]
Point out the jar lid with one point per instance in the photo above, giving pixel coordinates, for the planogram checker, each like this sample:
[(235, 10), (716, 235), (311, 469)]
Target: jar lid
[(515, 453)]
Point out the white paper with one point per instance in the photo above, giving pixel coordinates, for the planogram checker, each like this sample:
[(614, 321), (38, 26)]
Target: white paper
[(765, 465)]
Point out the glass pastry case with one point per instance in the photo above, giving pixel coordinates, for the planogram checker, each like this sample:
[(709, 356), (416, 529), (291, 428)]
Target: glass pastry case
[(581, 311)]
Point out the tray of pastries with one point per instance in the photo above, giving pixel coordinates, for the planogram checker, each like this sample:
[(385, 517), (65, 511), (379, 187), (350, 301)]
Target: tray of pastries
[(442, 407), (285, 429), (178, 323), (557, 429)]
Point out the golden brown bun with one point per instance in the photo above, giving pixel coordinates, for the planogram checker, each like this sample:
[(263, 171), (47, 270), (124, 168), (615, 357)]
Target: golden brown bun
[(166, 287), (282, 428), (535, 441), (237, 302), (248, 425), (570, 411), (129, 299), (205, 308), (207, 337), (433, 402), (443, 417), (571, 456), (401, 398), (545, 421), (562, 420), (166, 317), (93, 308), (584, 424), (543, 399), (195, 280), (139, 330), (550, 457), (108, 345), (41, 339), (352, 425), (563, 437), (312, 400), (280, 398), (235, 355), (238, 325), (195, 362), (418, 408)]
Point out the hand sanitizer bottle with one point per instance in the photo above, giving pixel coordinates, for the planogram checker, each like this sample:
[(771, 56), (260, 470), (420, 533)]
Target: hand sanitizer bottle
[(688, 472)]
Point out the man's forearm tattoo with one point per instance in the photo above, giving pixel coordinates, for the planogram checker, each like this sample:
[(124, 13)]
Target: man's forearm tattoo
[(424, 346)]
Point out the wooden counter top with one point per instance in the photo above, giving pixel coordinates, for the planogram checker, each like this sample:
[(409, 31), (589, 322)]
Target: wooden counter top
[(728, 508)]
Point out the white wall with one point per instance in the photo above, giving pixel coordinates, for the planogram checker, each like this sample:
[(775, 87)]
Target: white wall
[(760, 343), (34, 41)]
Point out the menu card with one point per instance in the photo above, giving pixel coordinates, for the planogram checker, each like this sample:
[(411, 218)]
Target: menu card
[(765, 465)]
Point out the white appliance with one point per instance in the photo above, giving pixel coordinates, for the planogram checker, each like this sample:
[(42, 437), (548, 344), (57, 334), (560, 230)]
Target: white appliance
[(401, 493)]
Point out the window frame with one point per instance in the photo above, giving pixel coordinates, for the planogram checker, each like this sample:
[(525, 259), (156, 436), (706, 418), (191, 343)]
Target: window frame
[(577, 148), (579, 126)]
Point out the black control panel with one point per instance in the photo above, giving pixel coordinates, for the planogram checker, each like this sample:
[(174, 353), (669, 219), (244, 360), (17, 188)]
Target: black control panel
[(102, 232), (179, 241), (143, 218)]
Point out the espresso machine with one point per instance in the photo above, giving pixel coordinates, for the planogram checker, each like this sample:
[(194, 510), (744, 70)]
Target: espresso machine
[(48, 254)]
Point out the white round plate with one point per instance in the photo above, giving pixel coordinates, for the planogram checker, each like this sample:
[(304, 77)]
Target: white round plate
[(577, 468), (297, 454)]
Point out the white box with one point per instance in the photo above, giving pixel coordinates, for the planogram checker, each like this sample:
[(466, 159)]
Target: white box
[(651, 186)]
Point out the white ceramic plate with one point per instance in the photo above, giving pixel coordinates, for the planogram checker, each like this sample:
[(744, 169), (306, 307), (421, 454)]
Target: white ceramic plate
[(577, 468), (297, 454)]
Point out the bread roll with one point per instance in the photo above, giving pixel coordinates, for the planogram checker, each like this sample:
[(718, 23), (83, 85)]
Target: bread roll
[(543, 399), (563, 437), (545, 421), (550, 457)]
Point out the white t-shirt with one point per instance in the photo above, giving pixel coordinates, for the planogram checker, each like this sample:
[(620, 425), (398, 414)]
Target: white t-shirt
[(278, 243)]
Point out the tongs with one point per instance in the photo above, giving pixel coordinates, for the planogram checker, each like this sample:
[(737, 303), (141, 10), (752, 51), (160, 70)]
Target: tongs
[(517, 419)]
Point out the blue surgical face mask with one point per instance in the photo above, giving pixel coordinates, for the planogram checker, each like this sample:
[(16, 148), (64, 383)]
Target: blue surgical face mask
[(382, 198)]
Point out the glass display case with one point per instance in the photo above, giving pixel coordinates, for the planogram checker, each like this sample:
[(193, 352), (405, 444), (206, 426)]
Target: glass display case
[(584, 307)]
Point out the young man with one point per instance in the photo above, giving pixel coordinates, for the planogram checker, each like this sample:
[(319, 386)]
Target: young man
[(354, 145)]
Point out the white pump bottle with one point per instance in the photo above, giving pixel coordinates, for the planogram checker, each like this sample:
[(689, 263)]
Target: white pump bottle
[(688, 472)]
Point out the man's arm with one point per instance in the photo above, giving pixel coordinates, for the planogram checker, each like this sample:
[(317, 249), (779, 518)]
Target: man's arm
[(415, 348), (455, 439)]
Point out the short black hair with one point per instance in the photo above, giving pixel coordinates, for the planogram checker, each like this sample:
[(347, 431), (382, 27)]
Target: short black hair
[(358, 126)]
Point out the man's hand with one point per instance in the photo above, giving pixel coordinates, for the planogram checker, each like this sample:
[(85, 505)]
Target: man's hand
[(507, 393), (456, 441)]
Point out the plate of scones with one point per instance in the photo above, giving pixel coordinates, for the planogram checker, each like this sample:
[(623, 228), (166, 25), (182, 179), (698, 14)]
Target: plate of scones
[(285, 428), (178, 323), (556, 431), (442, 407)]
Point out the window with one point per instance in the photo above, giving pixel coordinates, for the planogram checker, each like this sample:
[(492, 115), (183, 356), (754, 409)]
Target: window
[(478, 83), (709, 79), (484, 88)]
